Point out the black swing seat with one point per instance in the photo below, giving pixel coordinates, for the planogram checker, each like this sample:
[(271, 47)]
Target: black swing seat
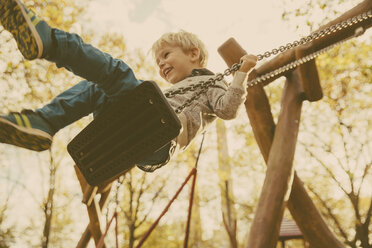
[(131, 129)]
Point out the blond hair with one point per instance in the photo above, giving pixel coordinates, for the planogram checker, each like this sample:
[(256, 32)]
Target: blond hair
[(185, 40)]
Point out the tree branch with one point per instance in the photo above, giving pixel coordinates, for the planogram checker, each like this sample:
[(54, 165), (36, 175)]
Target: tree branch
[(331, 174), (139, 196), (331, 214), (368, 216), (365, 173)]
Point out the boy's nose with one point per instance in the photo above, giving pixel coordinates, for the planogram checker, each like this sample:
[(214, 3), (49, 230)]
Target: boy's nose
[(161, 64)]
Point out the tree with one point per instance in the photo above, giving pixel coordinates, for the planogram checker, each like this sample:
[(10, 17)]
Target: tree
[(7, 234), (341, 146), (49, 204), (300, 14), (32, 84), (138, 202), (335, 136), (146, 197), (227, 201)]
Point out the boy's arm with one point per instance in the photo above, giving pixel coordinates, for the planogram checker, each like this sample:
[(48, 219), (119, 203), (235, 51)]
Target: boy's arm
[(225, 102)]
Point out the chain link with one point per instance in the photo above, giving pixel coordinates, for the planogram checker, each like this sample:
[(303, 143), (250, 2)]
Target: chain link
[(318, 34), (291, 65), (204, 85)]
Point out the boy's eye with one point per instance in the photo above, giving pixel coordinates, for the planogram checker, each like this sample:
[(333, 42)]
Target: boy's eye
[(166, 54)]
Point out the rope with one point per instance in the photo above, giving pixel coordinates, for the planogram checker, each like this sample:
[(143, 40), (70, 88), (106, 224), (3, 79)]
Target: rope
[(191, 201), (101, 240), (192, 173), (165, 209), (114, 216)]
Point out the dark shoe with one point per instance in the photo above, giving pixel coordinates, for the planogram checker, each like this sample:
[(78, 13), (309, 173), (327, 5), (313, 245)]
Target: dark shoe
[(26, 129), (33, 36)]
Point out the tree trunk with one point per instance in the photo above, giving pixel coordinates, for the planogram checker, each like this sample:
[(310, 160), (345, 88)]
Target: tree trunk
[(48, 206), (131, 235), (227, 207)]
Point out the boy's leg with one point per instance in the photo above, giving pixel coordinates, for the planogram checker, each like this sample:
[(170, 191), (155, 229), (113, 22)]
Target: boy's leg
[(32, 35), (66, 50), (112, 75), (34, 130), (25, 129), (71, 105)]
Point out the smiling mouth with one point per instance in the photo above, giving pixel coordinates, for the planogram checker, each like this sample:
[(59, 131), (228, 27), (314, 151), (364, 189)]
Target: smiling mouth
[(166, 71)]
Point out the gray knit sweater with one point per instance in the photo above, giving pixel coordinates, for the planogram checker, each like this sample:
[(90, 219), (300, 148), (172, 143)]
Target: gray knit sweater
[(220, 100)]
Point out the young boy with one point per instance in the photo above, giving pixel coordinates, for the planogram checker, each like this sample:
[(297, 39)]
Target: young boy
[(181, 58)]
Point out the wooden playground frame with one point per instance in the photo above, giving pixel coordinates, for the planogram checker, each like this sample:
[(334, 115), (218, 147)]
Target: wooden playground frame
[(277, 142)]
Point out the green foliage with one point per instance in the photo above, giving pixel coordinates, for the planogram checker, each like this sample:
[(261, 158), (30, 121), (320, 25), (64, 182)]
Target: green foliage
[(335, 140), (336, 137), (7, 233), (166, 235), (32, 83), (313, 13)]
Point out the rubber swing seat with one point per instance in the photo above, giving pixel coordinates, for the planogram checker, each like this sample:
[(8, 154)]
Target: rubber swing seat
[(134, 127)]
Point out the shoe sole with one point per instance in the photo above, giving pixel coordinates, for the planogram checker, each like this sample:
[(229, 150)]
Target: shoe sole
[(32, 139), (20, 26)]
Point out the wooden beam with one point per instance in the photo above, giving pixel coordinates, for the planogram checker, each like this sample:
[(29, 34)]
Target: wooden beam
[(85, 238), (103, 187), (308, 218), (279, 175), (89, 194), (289, 56), (94, 211), (261, 120), (309, 77), (82, 181)]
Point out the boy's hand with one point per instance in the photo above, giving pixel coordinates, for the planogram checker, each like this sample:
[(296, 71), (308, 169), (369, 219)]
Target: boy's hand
[(248, 61)]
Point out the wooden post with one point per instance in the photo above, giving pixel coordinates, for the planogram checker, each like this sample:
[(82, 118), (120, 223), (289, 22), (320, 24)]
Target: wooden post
[(94, 208), (85, 238), (279, 175), (261, 120), (89, 193), (94, 213), (309, 76)]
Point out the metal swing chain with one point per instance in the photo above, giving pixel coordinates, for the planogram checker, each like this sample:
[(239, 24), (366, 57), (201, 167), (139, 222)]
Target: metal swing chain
[(204, 85)]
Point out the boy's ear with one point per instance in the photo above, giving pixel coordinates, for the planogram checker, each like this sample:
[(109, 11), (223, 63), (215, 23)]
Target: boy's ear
[(194, 54)]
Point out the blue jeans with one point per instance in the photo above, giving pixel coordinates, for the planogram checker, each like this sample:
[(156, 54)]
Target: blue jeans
[(107, 79)]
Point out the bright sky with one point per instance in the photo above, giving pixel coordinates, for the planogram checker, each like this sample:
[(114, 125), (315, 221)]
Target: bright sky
[(256, 25)]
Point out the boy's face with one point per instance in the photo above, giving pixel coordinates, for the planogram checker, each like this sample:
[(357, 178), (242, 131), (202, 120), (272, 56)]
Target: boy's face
[(174, 64)]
